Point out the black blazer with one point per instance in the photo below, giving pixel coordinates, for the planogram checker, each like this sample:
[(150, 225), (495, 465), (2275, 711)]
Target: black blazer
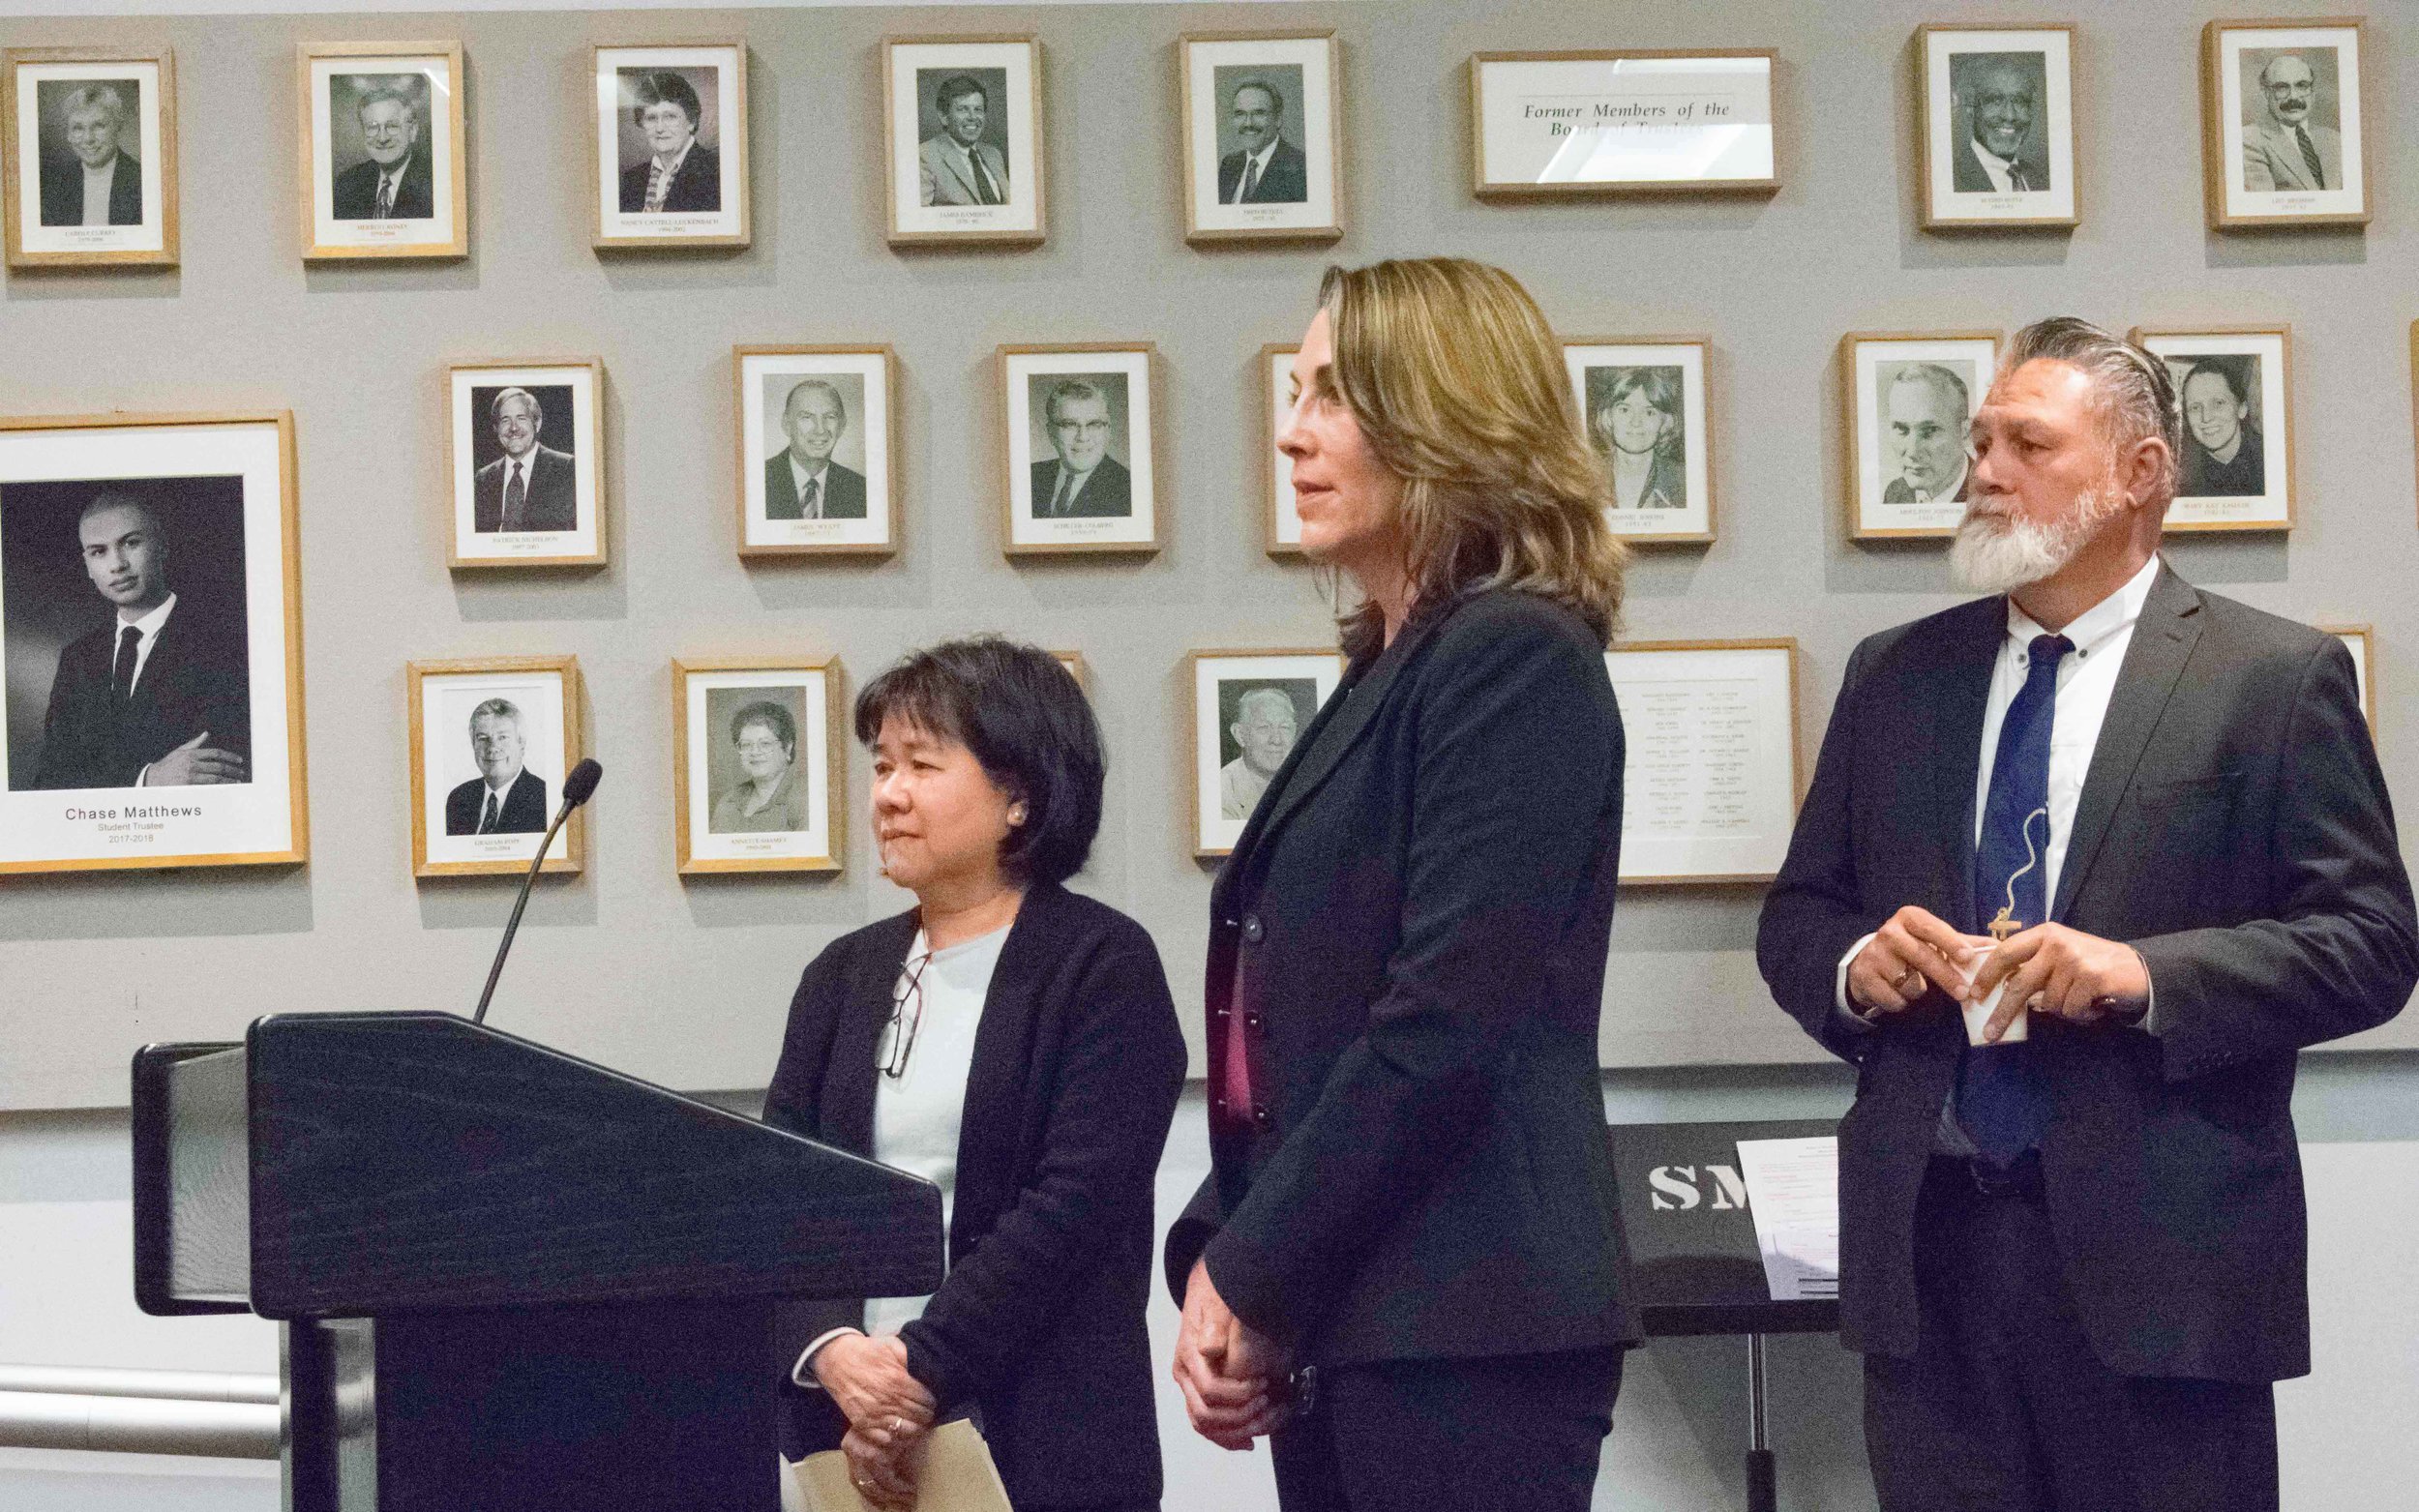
[(696, 186), (2233, 828), (522, 812), (1108, 493), (844, 490), (1039, 1326), (1286, 181), (355, 192), (63, 191), (1414, 927), (198, 678), (552, 501)]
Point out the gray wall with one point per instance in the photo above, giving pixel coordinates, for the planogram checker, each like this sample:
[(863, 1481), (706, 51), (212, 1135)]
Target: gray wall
[(684, 983)]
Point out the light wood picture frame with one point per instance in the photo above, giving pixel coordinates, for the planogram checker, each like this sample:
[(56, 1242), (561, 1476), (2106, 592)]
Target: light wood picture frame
[(384, 165), (2361, 640), (738, 722), (1280, 523), (1076, 667), (473, 722), (1649, 392), (1713, 778), (1261, 115), (62, 107), (561, 521), (1996, 135), (2233, 386), (935, 181), (638, 93), (1589, 140), (1905, 452), (1248, 709), (1080, 449), (2285, 146), (829, 416), (187, 522)]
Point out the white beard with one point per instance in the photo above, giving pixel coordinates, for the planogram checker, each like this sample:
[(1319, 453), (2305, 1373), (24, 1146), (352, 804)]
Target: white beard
[(1996, 554)]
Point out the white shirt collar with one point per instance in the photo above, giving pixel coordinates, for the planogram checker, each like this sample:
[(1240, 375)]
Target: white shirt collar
[(800, 474), (2093, 628), (107, 171), (499, 793), (521, 464), (677, 159), (1990, 159), (1947, 492), (1260, 156), (150, 623)]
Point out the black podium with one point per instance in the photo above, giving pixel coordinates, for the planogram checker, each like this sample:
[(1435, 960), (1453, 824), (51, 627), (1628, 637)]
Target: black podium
[(1694, 1266), (508, 1279)]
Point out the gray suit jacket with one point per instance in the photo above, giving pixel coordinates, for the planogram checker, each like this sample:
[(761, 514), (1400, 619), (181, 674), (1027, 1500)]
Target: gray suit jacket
[(945, 178), (2273, 163)]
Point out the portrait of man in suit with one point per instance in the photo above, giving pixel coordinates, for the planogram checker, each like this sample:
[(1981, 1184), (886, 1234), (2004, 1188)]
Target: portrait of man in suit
[(680, 174), (1267, 720), (958, 165), (506, 797), (1263, 169), (96, 180), (801, 480), (158, 694), (531, 486), (1925, 410), (2002, 150), (2289, 149), (1083, 480), (394, 182)]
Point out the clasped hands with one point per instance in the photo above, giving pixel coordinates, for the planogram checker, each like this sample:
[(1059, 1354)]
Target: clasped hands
[(1234, 1378), (889, 1414), (2048, 968)]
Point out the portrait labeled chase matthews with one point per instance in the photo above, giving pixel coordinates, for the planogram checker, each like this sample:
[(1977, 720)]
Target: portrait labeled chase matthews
[(150, 632), (88, 157)]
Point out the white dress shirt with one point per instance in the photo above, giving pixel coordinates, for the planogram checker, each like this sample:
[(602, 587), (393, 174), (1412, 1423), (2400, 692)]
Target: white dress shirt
[(149, 626), (799, 477), (2002, 170), (1255, 168), (390, 185), (1945, 492), (918, 1114), (98, 182)]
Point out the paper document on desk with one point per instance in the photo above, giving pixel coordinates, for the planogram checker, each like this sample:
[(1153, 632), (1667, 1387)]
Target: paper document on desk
[(1793, 1192)]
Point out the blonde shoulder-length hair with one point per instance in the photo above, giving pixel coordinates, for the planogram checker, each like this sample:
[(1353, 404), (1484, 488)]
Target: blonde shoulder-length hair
[(1457, 384)]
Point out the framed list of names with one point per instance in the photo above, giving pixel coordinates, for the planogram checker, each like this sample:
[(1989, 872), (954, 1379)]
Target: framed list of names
[(1710, 791)]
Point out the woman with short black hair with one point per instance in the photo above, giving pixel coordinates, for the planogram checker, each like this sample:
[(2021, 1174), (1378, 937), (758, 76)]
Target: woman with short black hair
[(1015, 1044)]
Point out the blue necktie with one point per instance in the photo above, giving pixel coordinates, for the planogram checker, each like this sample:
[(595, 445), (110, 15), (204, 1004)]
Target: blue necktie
[(2002, 1101)]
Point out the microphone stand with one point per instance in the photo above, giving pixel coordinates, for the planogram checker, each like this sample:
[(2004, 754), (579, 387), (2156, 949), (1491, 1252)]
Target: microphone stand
[(519, 904)]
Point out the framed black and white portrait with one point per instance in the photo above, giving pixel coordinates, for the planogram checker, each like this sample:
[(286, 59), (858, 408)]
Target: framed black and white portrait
[(672, 146), (759, 776), (151, 639), (962, 140), (2233, 387), (1280, 522), (492, 742), (2282, 138), (1910, 401), (89, 159), (1250, 709), (1262, 157), (382, 150), (818, 455), (525, 459), (1080, 448), (1998, 137), (1642, 408)]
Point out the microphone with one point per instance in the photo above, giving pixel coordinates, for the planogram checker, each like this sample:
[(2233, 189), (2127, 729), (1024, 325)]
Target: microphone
[(577, 789)]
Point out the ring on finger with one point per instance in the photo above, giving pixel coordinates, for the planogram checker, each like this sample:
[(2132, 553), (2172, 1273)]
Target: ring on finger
[(1908, 980)]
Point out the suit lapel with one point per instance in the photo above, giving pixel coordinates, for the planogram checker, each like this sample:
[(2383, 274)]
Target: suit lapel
[(2162, 643), (1957, 691), (850, 1076)]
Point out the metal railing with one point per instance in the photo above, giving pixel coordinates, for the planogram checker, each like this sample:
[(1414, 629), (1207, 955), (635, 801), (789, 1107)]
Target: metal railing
[(139, 1412)]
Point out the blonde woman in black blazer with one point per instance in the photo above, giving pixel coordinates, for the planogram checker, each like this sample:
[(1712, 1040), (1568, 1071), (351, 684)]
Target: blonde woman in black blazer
[(987, 782), (1407, 1262)]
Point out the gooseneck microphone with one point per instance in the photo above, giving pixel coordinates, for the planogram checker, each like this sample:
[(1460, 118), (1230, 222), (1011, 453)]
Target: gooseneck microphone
[(577, 789)]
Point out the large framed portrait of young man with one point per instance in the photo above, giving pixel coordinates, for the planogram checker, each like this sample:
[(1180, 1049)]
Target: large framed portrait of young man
[(759, 764), (1249, 711), (1642, 408), (670, 145), (818, 451), (1280, 522), (151, 639), (492, 742), (2282, 138), (1263, 158), (1080, 448), (1998, 127), (88, 157), (962, 154), (2234, 387), (382, 159), (525, 459), (1909, 401)]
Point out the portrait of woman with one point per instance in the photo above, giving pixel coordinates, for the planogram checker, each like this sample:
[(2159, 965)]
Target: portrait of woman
[(1405, 1267), (1014, 1044), (1636, 426), (765, 737), (2223, 454)]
